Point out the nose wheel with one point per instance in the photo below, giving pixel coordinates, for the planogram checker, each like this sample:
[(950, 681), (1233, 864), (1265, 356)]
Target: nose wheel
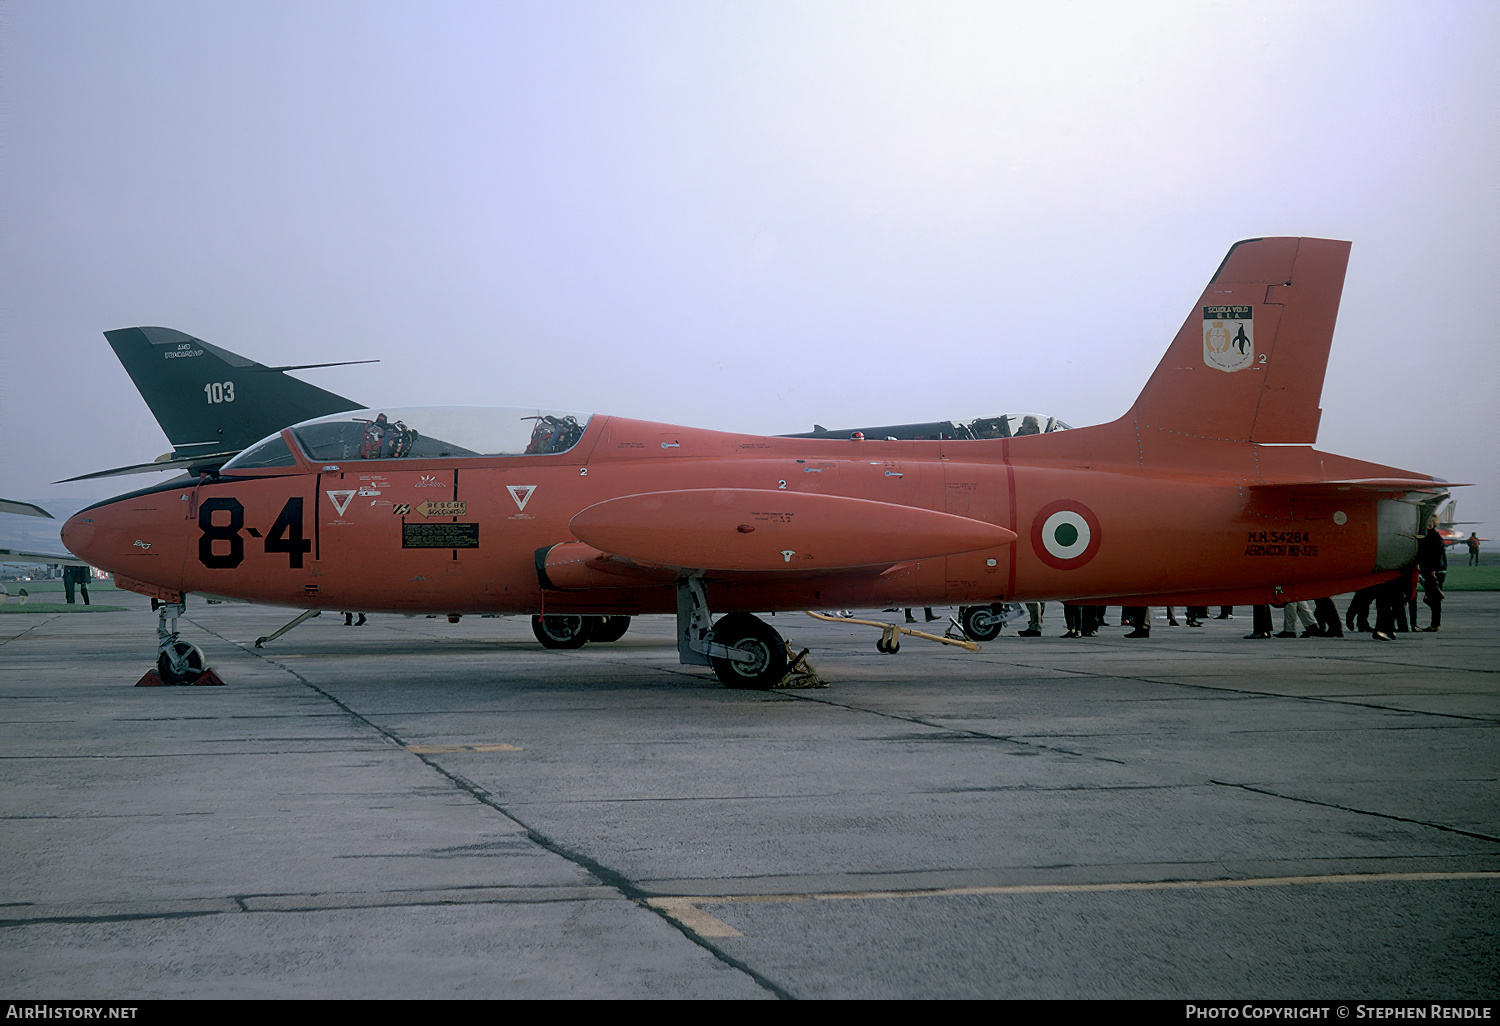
[(177, 661), (187, 656)]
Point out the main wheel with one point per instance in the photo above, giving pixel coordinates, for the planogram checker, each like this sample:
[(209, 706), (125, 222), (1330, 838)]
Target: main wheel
[(609, 628), (562, 631), (193, 664), (981, 623), (754, 636)]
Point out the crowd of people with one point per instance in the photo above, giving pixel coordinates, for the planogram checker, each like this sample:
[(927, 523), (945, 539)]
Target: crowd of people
[(1395, 604)]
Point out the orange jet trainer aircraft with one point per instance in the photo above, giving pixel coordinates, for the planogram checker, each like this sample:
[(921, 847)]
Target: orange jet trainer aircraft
[(1206, 492)]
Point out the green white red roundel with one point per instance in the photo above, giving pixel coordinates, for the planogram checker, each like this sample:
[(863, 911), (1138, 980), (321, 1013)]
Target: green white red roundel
[(1065, 534)]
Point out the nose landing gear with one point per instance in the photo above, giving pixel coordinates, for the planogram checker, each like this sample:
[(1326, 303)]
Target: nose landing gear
[(177, 661)]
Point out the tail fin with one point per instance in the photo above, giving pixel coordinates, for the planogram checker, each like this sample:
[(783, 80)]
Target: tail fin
[(209, 400), (1249, 361)]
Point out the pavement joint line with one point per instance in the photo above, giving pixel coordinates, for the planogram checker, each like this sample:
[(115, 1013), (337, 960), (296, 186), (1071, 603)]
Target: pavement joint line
[(46, 618), (968, 732), (686, 910), (1331, 700), (600, 872), (1360, 812)]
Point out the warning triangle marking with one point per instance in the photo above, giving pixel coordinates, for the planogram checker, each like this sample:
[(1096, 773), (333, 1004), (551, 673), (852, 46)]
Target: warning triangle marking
[(340, 499), (521, 493)]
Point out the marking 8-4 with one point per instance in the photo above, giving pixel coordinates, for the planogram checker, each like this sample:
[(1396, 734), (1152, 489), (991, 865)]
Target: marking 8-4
[(286, 533)]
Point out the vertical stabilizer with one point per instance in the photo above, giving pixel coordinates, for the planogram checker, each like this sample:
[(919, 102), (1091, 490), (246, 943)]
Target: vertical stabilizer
[(1249, 361), (209, 400)]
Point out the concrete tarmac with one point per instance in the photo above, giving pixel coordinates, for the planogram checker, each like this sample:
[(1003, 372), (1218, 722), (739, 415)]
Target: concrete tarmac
[(418, 809)]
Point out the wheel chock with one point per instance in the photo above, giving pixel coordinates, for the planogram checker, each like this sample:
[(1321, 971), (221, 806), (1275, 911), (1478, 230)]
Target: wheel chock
[(799, 673), (152, 679)]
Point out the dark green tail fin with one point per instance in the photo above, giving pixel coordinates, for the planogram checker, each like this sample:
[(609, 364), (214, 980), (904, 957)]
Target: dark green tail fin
[(211, 401)]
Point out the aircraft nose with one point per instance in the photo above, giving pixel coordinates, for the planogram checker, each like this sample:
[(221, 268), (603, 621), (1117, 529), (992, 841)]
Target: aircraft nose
[(78, 535)]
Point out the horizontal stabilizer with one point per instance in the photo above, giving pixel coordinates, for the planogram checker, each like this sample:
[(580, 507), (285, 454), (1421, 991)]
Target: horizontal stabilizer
[(762, 530)]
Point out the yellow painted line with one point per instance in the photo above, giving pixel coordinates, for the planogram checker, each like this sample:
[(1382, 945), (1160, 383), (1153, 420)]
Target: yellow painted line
[(686, 911), (448, 749)]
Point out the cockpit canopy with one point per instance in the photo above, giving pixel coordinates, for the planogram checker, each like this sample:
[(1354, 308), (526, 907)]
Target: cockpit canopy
[(421, 432), (1010, 425), (1006, 425)]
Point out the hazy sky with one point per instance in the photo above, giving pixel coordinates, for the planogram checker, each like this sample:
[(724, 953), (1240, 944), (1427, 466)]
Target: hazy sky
[(749, 215)]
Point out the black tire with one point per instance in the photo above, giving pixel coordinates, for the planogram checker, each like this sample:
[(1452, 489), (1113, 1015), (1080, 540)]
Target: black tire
[(750, 634), (609, 628), (980, 623), (562, 631), (194, 669)]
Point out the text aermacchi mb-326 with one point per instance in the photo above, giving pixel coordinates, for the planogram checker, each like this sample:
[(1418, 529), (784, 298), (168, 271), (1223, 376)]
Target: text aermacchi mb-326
[(575, 518)]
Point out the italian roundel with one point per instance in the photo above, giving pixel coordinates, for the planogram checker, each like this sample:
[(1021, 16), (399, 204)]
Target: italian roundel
[(1065, 534)]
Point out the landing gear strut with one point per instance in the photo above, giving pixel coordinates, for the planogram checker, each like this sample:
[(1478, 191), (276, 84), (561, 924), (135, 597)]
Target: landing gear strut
[(177, 661), (744, 650)]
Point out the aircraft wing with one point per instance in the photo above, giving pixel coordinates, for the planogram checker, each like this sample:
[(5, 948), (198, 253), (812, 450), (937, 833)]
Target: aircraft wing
[(21, 556), (26, 509), (1367, 484), (774, 533), (146, 468)]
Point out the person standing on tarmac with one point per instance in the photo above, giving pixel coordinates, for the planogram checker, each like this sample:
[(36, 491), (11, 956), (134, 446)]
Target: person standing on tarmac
[(1473, 544), (79, 576), (1328, 617), (1432, 560), (1034, 626)]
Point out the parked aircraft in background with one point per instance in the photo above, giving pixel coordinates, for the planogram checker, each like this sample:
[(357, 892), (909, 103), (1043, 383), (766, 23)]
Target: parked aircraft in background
[(212, 403), (1448, 524), (23, 557), (1206, 492)]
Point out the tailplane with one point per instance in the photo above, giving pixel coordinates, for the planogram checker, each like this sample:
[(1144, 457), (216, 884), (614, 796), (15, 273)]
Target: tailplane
[(1248, 363)]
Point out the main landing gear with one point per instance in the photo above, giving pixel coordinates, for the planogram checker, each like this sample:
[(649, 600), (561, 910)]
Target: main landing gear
[(744, 651), (555, 631), (177, 661), (983, 623)]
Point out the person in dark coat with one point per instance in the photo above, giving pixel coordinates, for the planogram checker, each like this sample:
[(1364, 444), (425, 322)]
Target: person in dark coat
[(1327, 615), (1432, 561), (1260, 624), (1390, 598), (1357, 617), (76, 576)]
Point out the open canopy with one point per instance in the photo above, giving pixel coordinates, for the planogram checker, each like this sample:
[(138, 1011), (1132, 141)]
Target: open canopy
[(421, 432)]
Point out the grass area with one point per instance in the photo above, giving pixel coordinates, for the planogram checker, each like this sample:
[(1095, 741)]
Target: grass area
[(1472, 578), (12, 606), (42, 587)]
